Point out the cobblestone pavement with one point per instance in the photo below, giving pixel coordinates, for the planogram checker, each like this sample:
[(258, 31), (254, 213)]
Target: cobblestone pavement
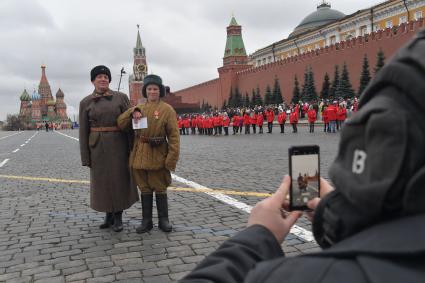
[(49, 234)]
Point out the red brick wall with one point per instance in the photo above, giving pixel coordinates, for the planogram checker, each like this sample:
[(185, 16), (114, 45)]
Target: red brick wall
[(321, 61), (208, 92)]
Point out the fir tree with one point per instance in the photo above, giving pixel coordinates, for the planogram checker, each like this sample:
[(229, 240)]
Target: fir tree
[(311, 87), (380, 61), (344, 90), (325, 87), (277, 94), (258, 98), (268, 96), (253, 98), (365, 76), (224, 105), (231, 98), (305, 85), (238, 98), (203, 105), (335, 83), (296, 92), (246, 102)]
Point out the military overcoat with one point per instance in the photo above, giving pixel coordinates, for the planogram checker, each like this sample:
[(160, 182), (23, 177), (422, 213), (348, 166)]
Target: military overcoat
[(107, 152)]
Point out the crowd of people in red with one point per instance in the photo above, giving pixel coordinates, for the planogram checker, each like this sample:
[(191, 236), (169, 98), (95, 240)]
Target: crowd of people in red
[(332, 114)]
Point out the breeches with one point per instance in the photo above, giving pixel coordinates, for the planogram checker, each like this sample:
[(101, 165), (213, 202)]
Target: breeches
[(150, 181)]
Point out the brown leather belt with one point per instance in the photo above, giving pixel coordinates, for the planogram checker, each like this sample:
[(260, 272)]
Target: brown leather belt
[(104, 129)]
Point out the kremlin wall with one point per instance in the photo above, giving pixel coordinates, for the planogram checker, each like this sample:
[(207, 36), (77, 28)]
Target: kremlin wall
[(248, 73)]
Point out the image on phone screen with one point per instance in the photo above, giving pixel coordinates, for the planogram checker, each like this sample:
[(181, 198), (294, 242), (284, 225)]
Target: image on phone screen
[(305, 178)]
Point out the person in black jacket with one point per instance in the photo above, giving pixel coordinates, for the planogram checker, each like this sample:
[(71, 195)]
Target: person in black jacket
[(371, 226)]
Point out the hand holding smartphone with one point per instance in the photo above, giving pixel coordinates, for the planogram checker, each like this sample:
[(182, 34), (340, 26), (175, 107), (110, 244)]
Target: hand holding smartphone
[(304, 170)]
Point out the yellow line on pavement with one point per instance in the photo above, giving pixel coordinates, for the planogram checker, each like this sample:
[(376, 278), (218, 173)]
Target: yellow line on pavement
[(53, 180), (177, 189)]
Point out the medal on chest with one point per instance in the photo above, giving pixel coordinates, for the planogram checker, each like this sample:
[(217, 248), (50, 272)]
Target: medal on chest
[(156, 114)]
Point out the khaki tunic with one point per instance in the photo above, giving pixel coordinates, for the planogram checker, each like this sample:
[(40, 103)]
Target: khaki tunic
[(162, 122), (106, 153)]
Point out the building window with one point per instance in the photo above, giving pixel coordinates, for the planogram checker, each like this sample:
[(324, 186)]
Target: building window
[(389, 24), (418, 15), (402, 20), (363, 30), (258, 62), (302, 50), (333, 39), (377, 27), (270, 59), (317, 46), (264, 61)]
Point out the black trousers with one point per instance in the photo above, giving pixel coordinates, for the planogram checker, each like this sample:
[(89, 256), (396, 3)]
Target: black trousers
[(235, 129), (311, 127), (226, 131), (247, 131), (220, 129), (254, 128), (260, 129), (270, 126), (282, 128), (294, 128)]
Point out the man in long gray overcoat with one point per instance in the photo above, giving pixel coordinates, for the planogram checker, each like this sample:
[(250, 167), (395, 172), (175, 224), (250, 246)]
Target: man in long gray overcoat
[(105, 149)]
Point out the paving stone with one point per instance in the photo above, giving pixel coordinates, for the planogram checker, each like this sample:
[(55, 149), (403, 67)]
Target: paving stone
[(58, 279), (36, 270), (106, 271), (155, 271), (169, 262), (128, 275), (157, 279), (79, 276), (109, 278), (74, 270), (46, 275), (7, 276)]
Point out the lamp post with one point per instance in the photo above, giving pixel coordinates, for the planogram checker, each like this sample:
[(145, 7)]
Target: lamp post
[(122, 73)]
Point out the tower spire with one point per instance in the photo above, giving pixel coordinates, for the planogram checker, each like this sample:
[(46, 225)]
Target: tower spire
[(139, 40)]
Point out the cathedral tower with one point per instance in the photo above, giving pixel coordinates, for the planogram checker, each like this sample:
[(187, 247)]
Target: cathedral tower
[(36, 107), (140, 70), (60, 106), (44, 91)]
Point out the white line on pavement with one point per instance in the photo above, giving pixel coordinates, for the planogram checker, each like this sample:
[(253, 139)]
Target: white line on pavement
[(3, 162), (67, 136), (23, 144), (11, 135), (16, 150), (296, 230)]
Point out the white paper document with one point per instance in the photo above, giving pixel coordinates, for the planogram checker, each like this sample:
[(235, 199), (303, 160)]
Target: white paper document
[(140, 124)]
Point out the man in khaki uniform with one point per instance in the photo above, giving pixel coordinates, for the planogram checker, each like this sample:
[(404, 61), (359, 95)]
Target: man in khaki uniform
[(155, 151)]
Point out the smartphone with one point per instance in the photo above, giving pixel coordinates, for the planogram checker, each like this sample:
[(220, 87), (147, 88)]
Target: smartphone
[(304, 170)]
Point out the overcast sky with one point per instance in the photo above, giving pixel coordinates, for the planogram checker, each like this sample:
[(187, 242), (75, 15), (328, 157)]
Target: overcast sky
[(184, 40)]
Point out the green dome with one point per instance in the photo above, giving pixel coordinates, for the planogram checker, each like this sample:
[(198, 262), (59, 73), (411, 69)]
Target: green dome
[(324, 15), (51, 103), (25, 96)]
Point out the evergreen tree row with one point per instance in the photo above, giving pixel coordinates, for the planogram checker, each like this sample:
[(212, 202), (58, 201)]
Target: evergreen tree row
[(340, 87), (236, 99)]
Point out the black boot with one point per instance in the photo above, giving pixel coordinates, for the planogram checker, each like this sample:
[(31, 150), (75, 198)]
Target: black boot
[(147, 223), (162, 207), (117, 226), (109, 220)]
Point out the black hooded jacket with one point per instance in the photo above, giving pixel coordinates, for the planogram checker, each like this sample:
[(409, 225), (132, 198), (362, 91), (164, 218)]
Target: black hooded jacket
[(373, 224)]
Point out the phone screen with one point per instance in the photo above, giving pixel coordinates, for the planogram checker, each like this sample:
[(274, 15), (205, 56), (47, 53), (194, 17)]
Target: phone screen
[(305, 176)]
